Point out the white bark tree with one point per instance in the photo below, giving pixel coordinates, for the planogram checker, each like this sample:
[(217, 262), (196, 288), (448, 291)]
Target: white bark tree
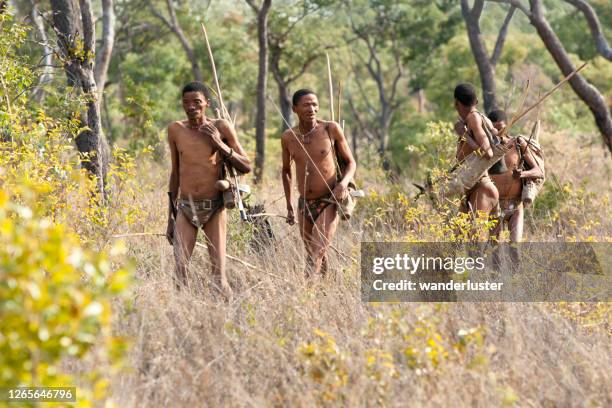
[(75, 29)]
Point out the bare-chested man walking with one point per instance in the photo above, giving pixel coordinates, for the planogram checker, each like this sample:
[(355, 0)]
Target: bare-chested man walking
[(483, 196), (510, 183), (311, 145), (198, 147)]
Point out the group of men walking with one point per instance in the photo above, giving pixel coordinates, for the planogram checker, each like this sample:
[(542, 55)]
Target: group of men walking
[(201, 146), (498, 192)]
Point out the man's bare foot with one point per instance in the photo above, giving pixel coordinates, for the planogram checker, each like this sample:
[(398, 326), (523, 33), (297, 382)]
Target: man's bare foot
[(313, 279), (227, 292), (179, 283), (223, 287)]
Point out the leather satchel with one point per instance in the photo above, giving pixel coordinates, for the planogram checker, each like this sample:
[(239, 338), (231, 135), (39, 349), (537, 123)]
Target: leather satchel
[(346, 206)]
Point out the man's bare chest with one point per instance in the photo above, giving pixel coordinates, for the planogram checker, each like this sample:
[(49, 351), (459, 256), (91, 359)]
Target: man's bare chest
[(318, 149), (195, 145)]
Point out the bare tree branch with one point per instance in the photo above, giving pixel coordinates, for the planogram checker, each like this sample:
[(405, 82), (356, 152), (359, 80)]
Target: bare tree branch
[(160, 16), (515, 3), (399, 75), (277, 42), (174, 26), (357, 117), (253, 5), (312, 58), (297, 20), (589, 94), (364, 96), (596, 31), (477, 9), (387, 92), (173, 19), (103, 57), (47, 65), (485, 68), (537, 10), (501, 37)]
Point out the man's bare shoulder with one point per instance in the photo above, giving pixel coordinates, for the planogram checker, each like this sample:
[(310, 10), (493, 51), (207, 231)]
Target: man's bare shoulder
[(225, 128), (289, 134), (473, 119), (177, 125), (221, 124), (333, 128), (175, 128)]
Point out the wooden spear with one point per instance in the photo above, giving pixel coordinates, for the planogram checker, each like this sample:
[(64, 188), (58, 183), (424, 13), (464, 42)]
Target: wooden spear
[(340, 102), (331, 89), (224, 111), (543, 98)]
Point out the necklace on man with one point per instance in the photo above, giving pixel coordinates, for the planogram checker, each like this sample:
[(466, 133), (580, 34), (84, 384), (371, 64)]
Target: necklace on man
[(305, 136), (195, 127)]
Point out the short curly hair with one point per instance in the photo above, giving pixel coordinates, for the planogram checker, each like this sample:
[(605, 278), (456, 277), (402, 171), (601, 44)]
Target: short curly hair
[(497, 115), (299, 93), (196, 87), (466, 94)]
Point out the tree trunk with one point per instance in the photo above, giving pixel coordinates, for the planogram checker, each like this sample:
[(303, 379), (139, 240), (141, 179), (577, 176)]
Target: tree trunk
[(353, 133), (176, 28), (108, 123), (596, 31), (103, 56), (384, 130), (585, 91), (387, 95), (91, 143), (47, 72), (285, 106), (66, 27), (481, 56), (260, 118), (284, 99), (421, 100), (385, 124)]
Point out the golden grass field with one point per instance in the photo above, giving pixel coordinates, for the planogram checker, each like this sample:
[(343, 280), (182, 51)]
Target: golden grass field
[(284, 341)]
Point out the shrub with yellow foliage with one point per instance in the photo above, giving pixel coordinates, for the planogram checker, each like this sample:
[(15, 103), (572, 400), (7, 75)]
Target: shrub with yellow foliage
[(55, 302), (56, 287)]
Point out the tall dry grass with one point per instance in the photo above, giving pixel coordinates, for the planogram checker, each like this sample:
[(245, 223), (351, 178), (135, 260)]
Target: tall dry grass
[(284, 341)]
